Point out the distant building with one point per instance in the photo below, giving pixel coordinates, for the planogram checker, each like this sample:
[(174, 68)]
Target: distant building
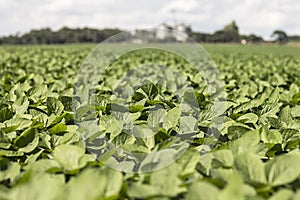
[(163, 32), (178, 32)]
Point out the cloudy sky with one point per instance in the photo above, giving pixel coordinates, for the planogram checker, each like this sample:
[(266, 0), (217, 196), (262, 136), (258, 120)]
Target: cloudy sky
[(252, 16)]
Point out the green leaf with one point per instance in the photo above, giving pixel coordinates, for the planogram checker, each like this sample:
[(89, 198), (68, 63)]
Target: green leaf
[(95, 184), (34, 187), (58, 128), (248, 105), (271, 136), (251, 168), (5, 114), (157, 160), (249, 142), (188, 162), (223, 158), (18, 123), (205, 164), (295, 111), (237, 131), (274, 96), (9, 170), (188, 124), (67, 102), (291, 138), (248, 118), (54, 106), (25, 138), (202, 191), (138, 96), (296, 98), (44, 165), (9, 153), (150, 89), (142, 191), (172, 118), (156, 117), (285, 115), (20, 105), (68, 156), (171, 184), (283, 169), (30, 146), (282, 194), (236, 190), (222, 174)]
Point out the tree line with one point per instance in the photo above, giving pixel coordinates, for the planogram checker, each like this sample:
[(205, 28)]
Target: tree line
[(62, 36), (230, 33)]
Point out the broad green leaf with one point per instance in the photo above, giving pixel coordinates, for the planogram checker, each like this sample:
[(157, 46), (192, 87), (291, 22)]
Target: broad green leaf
[(9, 170), (43, 165), (248, 118), (68, 156), (271, 136), (202, 191), (10, 153), (54, 106), (18, 123), (236, 190), (36, 92), (251, 168), (150, 89), (20, 105), (95, 184), (172, 118), (158, 160), (58, 128), (249, 142), (142, 191), (237, 131), (283, 169), (291, 138), (25, 138), (188, 162), (297, 195), (285, 115), (205, 164), (171, 186), (5, 114), (30, 146), (156, 117), (188, 124), (282, 194), (223, 158), (222, 174), (274, 96), (295, 111), (33, 157), (40, 186), (248, 105), (67, 102)]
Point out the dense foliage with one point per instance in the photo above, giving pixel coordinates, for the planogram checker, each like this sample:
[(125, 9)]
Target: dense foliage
[(256, 155), (230, 33), (62, 36)]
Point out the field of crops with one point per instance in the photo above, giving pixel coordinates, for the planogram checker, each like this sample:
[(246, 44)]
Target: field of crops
[(48, 151)]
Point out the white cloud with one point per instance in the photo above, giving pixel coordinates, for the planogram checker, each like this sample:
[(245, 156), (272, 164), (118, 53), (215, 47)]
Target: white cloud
[(252, 16)]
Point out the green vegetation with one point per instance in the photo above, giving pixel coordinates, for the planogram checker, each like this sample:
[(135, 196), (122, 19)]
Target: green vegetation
[(281, 36), (254, 156), (62, 36), (228, 34)]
